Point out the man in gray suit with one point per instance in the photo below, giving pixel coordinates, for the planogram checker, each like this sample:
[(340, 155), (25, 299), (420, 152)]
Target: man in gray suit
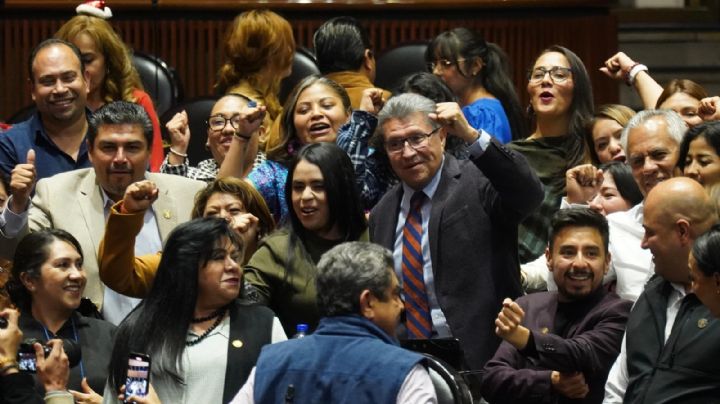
[(452, 225), (119, 139)]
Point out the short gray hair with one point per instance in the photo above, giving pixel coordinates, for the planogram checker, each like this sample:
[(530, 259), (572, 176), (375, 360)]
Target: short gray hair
[(348, 269), (676, 126), (402, 106)]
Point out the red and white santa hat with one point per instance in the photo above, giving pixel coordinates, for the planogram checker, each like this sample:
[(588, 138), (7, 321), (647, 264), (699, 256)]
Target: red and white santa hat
[(95, 8)]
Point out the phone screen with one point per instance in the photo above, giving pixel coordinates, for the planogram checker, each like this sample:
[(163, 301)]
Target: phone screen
[(26, 361), (137, 382)]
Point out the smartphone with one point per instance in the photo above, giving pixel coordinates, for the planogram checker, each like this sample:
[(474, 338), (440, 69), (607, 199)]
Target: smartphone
[(26, 355), (137, 382)]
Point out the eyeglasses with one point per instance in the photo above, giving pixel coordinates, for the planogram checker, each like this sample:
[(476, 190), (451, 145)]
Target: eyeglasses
[(442, 64), (558, 74), (218, 122), (415, 141)]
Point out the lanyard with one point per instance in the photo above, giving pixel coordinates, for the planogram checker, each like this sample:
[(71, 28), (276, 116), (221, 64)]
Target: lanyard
[(77, 341)]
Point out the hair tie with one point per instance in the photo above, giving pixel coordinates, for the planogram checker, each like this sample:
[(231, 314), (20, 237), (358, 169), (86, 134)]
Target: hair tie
[(94, 9)]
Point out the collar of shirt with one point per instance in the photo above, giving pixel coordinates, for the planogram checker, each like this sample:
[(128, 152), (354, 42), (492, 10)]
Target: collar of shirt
[(429, 189), (108, 203), (36, 127)]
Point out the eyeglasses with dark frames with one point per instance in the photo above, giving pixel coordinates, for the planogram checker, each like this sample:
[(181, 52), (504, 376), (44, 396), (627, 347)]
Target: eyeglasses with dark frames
[(558, 74), (416, 141), (218, 122)]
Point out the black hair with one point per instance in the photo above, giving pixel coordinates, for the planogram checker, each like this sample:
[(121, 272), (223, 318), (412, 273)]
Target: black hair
[(120, 113), (288, 143), (462, 43), (624, 181), (31, 253), (343, 197), (53, 42), (348, 269), (706, 251), (581, 108), (158, 325), (340, 44), (579, 217), (710, 131)]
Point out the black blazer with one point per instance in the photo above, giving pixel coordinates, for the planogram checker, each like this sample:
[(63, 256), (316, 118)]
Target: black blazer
[(250, 330), (473, 240)]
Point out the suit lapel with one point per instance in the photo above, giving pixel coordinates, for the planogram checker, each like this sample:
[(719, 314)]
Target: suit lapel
[(446, 186), (90, 201), (384, 234), (165, 209)]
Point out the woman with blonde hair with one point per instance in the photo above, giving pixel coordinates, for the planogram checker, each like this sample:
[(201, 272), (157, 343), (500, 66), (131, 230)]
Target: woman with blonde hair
[(112, 74), (603, 135), (259, 50)]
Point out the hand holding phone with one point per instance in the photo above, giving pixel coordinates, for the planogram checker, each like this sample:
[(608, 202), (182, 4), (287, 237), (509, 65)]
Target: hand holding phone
[(137, 382)]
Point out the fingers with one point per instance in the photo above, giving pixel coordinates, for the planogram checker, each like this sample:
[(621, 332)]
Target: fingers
[(39, 355), (139, 196), (243, 222), (30, 158)]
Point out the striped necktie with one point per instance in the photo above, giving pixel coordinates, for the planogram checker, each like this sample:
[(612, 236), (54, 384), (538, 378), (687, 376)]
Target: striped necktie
[(417, 309)]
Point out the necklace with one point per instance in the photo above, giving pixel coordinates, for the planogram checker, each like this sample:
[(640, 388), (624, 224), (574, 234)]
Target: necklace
[(208, 317), (220, 315)]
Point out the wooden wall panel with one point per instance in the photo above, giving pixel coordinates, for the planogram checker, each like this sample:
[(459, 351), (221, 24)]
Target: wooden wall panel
[(192, 43)]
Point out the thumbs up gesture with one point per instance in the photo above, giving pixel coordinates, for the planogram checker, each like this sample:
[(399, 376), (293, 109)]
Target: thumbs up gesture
[(22, 182)]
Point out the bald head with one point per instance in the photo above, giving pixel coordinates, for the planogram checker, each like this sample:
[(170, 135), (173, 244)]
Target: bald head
[(682, 198), (676, 212)]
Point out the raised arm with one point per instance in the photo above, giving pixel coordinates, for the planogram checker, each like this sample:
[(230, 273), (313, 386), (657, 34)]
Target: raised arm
[(621, 67), (236, 163), (119, 268)]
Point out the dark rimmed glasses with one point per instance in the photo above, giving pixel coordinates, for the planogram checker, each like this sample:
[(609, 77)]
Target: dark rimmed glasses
[(416, 141)]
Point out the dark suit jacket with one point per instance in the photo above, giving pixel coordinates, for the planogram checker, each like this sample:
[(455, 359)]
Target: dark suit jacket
[(473, 240), (591, 346)]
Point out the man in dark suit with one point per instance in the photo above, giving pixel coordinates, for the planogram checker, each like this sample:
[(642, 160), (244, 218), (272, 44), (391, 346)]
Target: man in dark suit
[(452, 225), (559, 346)]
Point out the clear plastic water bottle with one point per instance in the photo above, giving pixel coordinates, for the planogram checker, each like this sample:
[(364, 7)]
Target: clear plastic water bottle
[(301, 330)]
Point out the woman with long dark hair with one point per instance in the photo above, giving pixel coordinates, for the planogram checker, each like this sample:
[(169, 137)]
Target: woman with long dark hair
[(561, 104), (191, 324), (325, 211), (477, 72), (699, 156)]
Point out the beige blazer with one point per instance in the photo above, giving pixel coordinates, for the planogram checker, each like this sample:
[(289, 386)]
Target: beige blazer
[(72, 201)]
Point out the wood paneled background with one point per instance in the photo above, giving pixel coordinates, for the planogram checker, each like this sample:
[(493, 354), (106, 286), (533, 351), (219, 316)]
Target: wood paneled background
[(190, 39)]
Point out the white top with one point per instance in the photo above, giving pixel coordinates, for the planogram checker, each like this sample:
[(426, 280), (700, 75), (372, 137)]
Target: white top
[(203, 369), (416, 389), (617, 381), (631, 266), (117, 306)]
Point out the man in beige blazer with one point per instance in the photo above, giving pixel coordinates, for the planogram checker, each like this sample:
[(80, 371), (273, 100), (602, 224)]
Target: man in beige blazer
[(77, 201)]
